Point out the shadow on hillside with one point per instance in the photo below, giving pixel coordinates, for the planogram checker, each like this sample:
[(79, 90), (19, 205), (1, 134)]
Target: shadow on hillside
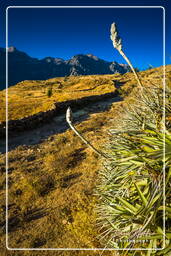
[(17, 221), (118, 84), (57, 125), (69, 180)]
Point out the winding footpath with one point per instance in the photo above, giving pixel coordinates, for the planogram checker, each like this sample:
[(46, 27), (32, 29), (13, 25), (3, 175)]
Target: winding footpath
[(57, 125)]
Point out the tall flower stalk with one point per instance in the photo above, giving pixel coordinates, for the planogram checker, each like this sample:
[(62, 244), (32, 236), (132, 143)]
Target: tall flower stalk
[(117, 43)]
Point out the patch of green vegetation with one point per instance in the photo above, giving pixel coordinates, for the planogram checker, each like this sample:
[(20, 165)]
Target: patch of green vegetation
[(49, 92), (132, 183)]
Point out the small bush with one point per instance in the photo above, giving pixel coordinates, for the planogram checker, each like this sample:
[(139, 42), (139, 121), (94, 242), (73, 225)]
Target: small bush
[(49, 92)]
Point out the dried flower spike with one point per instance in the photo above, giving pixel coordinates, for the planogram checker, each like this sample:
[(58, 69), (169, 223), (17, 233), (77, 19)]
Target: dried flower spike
[(117, 43), (69, 117)]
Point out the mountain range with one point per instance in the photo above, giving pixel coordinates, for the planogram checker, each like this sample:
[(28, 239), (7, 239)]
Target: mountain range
[(23, 67)]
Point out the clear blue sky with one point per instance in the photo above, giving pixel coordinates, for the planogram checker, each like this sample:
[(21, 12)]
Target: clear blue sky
[(67, 32)]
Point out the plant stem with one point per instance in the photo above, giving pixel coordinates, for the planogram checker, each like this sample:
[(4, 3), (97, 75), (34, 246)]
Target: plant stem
[(86, 141), (69, 121), (133, 70)]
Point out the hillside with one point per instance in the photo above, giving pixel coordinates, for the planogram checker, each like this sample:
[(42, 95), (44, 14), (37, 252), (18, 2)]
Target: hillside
[(52, 174), (30, 97), (23, 67)]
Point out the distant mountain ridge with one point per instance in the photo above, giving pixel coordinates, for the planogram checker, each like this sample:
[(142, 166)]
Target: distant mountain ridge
[(23, 67)]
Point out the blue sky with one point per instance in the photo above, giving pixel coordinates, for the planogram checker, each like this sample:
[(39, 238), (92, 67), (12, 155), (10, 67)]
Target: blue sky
[(66, 32)]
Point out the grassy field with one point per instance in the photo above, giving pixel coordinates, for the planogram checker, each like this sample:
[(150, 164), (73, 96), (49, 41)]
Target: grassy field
[(52, 184), (30, 97)]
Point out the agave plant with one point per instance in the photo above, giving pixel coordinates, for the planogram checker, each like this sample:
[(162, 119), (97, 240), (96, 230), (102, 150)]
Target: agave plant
[(134, 188)]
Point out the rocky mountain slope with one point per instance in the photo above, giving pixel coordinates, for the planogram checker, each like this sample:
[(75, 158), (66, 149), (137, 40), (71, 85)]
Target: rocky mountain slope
[(23, 67)]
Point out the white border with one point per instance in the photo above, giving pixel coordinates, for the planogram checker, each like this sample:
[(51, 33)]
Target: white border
[(164, 85)]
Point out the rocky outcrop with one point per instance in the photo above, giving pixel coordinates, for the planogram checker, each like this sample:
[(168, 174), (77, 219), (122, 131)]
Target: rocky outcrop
[(23, 67)]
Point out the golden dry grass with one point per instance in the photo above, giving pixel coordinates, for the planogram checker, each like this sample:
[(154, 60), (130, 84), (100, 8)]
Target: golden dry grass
[(30, 97), (51, 190)]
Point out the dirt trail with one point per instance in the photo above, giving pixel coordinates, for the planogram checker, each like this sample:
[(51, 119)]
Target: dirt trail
[(57, 125)]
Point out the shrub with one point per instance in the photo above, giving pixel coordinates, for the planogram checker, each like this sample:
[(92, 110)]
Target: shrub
[(131, 186), (49, 92), (66, 78)]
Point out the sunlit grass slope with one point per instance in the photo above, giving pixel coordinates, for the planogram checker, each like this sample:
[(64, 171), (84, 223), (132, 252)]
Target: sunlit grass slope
[(30, 97)]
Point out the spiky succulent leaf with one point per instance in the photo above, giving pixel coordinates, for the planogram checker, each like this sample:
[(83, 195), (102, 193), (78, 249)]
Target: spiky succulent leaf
[(132, 182)]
